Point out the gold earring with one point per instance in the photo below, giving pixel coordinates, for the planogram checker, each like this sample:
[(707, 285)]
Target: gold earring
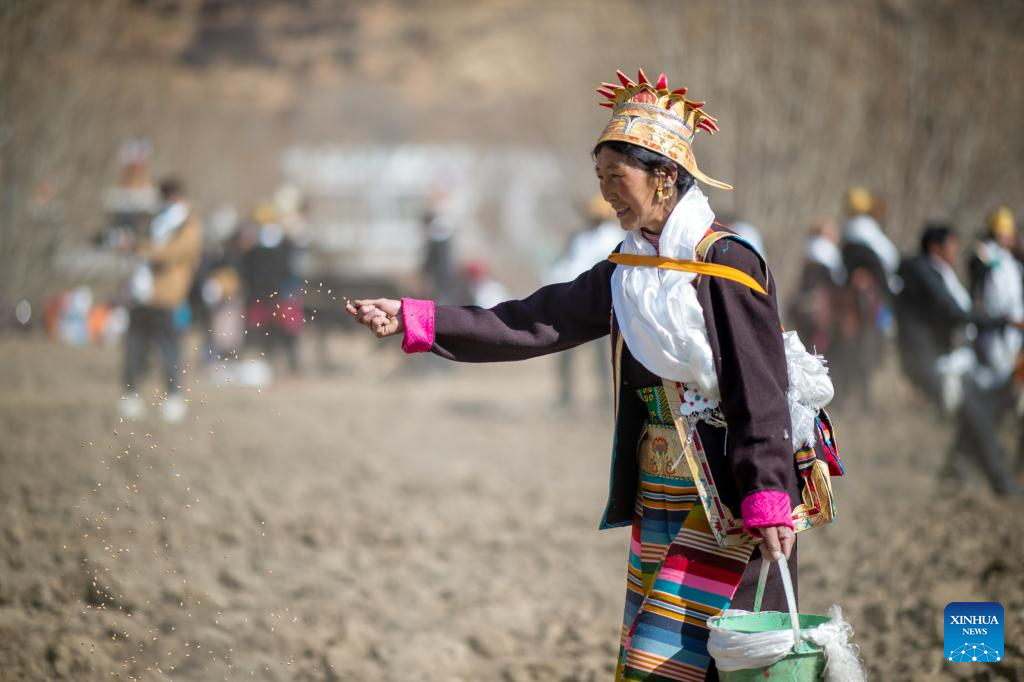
[(658, 195)]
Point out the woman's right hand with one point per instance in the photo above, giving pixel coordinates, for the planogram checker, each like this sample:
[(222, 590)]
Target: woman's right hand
[(382, 316)]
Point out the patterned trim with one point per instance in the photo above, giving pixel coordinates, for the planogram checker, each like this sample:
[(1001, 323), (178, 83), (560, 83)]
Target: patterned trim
[(658, 409), (657, 112), (805, 458), (713, 236), (727, 529), (418, 319)]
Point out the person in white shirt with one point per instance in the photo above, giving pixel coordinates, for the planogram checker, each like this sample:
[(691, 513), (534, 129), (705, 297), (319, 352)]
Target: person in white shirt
[(936, 321), (592, 244), (996, 279)]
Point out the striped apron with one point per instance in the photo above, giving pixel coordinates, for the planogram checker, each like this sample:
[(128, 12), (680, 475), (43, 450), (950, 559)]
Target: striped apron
[(678, 576)]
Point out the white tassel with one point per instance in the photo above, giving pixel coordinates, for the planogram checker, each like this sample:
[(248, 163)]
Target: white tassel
[(841, 661), (810, 389)]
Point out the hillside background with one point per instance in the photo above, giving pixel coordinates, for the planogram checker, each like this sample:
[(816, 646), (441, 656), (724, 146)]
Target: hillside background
[(919, 100)]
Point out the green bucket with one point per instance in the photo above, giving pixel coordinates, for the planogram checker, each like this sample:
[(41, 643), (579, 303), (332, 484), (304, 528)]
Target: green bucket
[(804, 663)]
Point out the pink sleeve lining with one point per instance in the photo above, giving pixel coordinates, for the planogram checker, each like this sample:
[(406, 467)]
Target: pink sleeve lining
[(766, 508), (418, 320)]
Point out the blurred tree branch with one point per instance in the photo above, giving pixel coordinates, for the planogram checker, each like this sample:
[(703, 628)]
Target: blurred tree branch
[(917, 99), (48, 129)]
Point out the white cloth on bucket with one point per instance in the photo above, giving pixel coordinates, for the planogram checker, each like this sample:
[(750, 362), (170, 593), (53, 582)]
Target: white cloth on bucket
[(749, 651)]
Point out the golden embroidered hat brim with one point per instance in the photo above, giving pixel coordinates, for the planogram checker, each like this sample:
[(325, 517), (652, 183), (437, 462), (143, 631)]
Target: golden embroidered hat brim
[(658, 119)]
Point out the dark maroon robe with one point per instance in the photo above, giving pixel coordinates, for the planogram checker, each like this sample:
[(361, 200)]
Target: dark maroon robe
[(746, 341)]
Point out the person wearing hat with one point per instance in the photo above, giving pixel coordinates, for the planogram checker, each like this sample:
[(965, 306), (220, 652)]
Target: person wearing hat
[(588, 246), (700, 369), (273, 293), (864, 306), (996, 280)]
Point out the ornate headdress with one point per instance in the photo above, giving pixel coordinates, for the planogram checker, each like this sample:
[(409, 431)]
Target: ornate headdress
[(655, 118)]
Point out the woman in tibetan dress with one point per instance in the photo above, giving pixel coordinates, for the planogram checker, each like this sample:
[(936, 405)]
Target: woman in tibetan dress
[(698, 359)]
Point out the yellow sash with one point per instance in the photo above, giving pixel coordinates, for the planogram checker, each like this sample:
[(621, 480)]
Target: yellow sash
[(698, 267)]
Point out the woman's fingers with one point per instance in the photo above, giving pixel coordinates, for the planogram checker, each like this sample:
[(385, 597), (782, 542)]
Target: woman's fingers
[(379, 315), (770, 547), (368, 315), (363, 313), (787, 540), (388, 305), (777, 541)]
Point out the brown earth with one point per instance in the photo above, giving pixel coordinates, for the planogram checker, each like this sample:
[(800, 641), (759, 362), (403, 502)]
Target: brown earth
[(385, 524)]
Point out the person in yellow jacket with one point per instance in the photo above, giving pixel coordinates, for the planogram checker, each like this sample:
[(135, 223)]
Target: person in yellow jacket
[(168, 255)]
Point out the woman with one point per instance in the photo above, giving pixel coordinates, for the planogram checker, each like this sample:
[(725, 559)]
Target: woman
[(697, 359)]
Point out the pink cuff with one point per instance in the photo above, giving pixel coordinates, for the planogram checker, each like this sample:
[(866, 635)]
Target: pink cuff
[(418, 319), (766, 508)]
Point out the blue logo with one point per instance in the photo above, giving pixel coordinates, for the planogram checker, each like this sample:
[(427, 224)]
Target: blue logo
[(973, 631)]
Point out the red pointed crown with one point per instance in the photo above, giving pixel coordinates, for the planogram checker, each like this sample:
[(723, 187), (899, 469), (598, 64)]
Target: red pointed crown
[(657, 118)]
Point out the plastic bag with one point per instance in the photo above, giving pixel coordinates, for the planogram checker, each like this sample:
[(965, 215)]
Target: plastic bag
[(749, 651)]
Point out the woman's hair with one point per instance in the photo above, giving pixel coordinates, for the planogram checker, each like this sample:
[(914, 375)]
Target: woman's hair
[(651, 161), (935, 234)]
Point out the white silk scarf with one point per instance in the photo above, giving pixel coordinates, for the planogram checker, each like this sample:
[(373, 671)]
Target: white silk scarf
[(658, 312), (662, 322)]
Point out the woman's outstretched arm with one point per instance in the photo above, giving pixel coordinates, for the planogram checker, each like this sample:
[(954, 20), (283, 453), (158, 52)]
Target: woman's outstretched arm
[(554, 318)]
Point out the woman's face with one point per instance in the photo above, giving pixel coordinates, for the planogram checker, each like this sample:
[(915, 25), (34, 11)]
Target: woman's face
[(949, 250), (630, 189)]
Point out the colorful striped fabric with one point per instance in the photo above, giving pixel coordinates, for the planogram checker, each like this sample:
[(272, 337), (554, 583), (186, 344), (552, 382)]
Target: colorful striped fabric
[(805, 457), (678, 576)]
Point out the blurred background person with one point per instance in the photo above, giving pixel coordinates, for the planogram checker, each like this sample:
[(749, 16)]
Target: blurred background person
[(215, 298), (812, 308), (591, 244), (169, 255), (749, 232), (865, 244), (936, 322), (438, 268), (745, 229), (482, 289), (274, 312), (871, 261), (996, 280), (131, 203)]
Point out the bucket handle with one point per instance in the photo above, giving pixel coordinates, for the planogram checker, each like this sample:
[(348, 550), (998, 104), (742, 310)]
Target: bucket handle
[(787, 586)]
